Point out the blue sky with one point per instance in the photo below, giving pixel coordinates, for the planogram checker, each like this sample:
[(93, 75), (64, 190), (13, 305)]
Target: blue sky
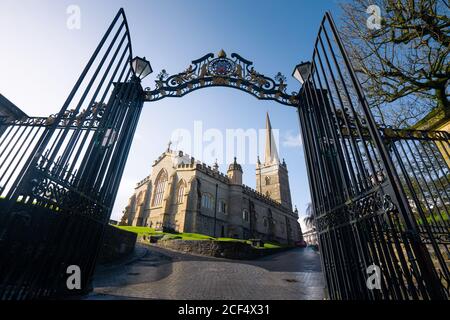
[(41, 59)]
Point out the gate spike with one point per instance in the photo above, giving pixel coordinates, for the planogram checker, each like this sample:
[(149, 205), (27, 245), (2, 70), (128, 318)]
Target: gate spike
[(222, 54)]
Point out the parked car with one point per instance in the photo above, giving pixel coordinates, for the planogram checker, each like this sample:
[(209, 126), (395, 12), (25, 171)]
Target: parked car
[(301, 244)]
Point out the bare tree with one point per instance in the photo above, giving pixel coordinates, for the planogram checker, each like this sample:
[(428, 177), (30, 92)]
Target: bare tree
[(403, 61)]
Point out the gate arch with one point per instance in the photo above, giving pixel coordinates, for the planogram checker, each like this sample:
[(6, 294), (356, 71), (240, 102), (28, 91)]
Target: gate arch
[(220, 70)]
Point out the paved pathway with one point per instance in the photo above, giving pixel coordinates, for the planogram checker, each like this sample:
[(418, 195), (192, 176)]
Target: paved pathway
[(156, 273)]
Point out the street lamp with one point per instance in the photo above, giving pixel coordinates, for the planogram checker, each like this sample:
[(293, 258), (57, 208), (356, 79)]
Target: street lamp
[(141, 67), (302, 71)]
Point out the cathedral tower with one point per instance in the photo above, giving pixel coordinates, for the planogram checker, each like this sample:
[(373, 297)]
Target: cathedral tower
[(272, 176)]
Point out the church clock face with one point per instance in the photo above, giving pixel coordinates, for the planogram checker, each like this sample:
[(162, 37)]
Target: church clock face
[(221, 67)]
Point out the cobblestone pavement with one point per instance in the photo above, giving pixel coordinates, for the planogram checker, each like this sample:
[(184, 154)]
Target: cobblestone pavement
[(156, 273)]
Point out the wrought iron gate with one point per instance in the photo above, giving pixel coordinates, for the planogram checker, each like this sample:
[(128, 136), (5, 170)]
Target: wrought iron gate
[(59, 175), (380, 195)]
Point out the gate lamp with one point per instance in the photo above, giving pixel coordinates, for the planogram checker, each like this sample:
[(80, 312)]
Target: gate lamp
[(302, 71), (141, 67)]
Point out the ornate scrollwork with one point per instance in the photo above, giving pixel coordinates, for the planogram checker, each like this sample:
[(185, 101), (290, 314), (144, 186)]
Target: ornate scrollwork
[(89, 118), (376, 203), (42, 187), (49, 190), (235, 72)]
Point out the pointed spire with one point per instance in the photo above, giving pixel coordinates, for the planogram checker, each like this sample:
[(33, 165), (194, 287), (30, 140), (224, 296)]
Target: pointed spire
[(216, 166), (271, 154)]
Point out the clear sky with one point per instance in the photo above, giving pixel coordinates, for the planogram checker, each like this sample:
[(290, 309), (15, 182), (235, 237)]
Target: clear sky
[(41, 58)]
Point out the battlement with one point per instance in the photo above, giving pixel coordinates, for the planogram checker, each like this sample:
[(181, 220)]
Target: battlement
[(169, 152), (262, 197), (142, 182), (191, 165), (186, 166), (258, 195), (202, 167)]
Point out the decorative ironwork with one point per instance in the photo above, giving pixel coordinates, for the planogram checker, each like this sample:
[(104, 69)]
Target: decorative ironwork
[(85, 119), (210, 70), (380, 195), (59, 175)]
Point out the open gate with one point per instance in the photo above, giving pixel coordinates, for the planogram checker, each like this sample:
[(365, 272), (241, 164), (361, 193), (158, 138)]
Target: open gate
[(59, 175), (380, 195)]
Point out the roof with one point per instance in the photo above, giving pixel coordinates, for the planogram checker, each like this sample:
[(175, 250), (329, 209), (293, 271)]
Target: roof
[(10, 109)]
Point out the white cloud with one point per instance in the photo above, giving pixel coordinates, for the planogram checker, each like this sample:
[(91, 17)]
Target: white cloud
[(290, 140)]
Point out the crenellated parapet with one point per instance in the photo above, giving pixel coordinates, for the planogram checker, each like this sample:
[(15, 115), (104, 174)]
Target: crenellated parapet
[(202, 167), (266, 199), (164, 154), (186, 166), (143, 181), (262, 197)]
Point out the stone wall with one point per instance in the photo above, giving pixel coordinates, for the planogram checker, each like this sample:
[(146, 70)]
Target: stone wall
[(117, 243), (219, 249)]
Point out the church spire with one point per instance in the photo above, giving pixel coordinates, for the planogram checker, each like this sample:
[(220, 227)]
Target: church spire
[(272, 176), (271, 154)]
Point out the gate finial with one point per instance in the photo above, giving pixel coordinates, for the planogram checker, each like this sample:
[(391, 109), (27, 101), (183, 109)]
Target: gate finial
[(222, 54)]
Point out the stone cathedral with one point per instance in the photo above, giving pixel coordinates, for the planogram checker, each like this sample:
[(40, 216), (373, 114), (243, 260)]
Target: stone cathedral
[(184, 195)]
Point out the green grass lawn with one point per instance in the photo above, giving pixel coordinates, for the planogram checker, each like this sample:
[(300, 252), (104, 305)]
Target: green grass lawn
[(141, 231), (436, 217), (146, 231)]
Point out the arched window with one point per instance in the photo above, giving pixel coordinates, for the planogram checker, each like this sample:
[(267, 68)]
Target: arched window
[(222, 206), (267, 181), (180, 192), (245, 215), (207, 201), (160, 186), (265, 221)]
